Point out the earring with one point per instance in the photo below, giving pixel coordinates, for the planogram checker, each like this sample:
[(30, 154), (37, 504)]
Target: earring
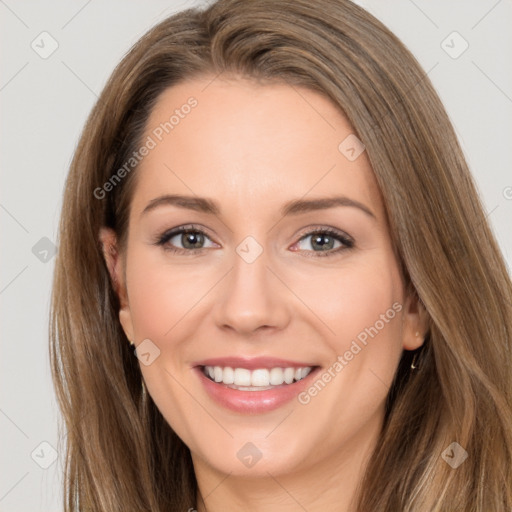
[(413, 363), (131, 343)]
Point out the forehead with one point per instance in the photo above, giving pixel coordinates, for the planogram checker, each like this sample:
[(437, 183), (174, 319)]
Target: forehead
[(250, 145)]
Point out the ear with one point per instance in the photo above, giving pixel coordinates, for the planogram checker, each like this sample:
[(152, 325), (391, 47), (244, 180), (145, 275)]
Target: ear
[(114, 262), (415, 322)]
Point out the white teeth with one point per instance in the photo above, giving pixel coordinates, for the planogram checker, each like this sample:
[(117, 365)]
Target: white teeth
[(242, 377), (305, 372), (289, 373), (228, 375), (260, 377), (276, 376), (256, 379), (217, 374)]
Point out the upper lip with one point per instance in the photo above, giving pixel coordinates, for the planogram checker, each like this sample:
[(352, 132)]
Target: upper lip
[(252, 363)]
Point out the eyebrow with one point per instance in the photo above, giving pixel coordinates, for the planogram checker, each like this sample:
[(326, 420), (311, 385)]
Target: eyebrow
[(294, 207)]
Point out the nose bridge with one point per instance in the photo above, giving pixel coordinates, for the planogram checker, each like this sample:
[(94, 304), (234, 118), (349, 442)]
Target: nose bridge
[(251, 296)]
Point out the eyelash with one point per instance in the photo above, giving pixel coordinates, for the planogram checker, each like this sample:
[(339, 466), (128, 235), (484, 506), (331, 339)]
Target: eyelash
[(348, 243)]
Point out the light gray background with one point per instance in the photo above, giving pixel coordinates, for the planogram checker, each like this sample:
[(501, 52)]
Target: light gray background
[(44, 104)]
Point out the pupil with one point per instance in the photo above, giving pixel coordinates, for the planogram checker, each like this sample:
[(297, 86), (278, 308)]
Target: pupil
[(317, 240), (192, 240)]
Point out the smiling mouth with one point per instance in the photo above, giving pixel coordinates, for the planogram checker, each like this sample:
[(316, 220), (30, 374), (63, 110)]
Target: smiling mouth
[(260, 379)]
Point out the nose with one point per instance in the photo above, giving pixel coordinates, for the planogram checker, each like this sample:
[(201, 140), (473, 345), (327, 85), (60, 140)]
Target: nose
[(252, 298)]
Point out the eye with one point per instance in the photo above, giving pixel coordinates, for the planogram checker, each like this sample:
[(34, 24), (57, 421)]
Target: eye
[(192, 239), (184, 239), (324, 242)]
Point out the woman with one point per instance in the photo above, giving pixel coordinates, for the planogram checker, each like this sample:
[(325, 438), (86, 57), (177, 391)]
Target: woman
[(269, 202)]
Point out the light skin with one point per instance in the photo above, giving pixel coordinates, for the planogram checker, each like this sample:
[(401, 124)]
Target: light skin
[(253, 148)]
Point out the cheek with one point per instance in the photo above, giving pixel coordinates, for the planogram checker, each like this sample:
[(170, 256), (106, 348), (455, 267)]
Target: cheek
[(161, 294), (365, 307), (359, 302), (362, 309)]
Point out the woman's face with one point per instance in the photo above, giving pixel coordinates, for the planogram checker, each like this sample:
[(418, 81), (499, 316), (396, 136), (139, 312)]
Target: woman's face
[(287, 264)]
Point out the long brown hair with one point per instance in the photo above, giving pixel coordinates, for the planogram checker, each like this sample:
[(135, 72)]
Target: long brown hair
[(120, 452)]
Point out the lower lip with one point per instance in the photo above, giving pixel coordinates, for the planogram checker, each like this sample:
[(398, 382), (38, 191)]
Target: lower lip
[(253, 402)]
